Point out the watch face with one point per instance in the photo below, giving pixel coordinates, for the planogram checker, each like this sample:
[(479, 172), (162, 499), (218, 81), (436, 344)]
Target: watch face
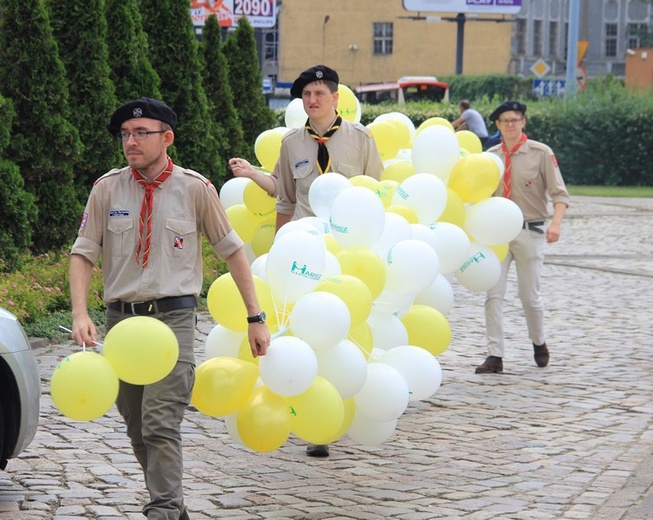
[(262, 316)]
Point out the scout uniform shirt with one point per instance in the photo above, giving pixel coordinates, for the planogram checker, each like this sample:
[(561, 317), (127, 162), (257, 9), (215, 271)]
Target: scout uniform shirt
[(352, 150), (185, 206), (535, 173)]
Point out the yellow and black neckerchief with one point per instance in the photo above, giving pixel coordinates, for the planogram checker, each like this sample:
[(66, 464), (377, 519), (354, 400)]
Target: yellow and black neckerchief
[(323, 159)]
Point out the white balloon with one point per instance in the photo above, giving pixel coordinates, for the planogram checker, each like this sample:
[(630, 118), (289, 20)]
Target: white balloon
[(294, 266), (321, 319), (298, 225), (324, 190), (391, 303), (453, 246), (295, 115), (222, 341), (231, 193), (424, 194), (438, 295), (396, 228), (258, 266), (333, 267), (435, 150), (321, 224), (357, 217), (494, 221), (344, 366), (418, 367), (426, 235), (289, 366), (411, 266), (368, 432), (388, 331), (384, 395), (231, 423), (482, 269)]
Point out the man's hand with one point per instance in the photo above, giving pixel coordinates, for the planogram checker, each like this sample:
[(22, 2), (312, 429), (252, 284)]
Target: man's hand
[(259, 338), (84, 332)]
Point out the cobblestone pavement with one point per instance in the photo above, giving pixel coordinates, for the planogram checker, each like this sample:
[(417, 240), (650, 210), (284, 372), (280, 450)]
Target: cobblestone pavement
[(571, 441)]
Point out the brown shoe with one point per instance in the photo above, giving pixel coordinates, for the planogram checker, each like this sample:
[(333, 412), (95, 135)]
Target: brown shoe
[(492, 365), (541, 355)]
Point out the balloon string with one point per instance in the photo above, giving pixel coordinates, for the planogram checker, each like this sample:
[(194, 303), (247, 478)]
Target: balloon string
[(97, 343)]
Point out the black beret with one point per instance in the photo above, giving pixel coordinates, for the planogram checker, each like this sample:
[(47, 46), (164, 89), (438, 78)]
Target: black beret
[(317, 73), (507, 106), (143, 107)]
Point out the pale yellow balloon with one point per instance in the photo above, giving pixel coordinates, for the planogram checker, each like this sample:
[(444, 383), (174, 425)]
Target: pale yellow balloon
[(398, 171), (404, 211), (267, 148), (434, 121), (347, 103), (501, 251), (387, 138), (403, 131), (469, 141), (454, 211), (386, 191), (365, 181)]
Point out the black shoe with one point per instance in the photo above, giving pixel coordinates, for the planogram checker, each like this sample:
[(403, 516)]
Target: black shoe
[(492, 365), (541, 355), (184, 516), (317, 450)]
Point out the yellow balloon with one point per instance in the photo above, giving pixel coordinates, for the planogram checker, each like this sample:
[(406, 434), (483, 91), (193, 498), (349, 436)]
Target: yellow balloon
[(353, 292), (365, 264), (387, 138), (501, 251), (404, 211), (243, 221), (263, 237), (350, 409), (347, 103), (434, 121), (454, 211), (316, 415), (267, 148), (141, 349), (398, 171), (469, 141), (403, 132), (474, 178), (263, 421), (222, 384), (226, 304), (386, 191), (332, 244), (84, 386), (365, 181), (257, 200), (427, 328), (362, 337)]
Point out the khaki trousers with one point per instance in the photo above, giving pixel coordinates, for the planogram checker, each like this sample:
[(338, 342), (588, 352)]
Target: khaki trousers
[(153, 415), (527, 251)]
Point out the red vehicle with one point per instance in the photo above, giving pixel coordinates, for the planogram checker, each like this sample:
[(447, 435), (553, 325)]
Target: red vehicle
[(408, 88)]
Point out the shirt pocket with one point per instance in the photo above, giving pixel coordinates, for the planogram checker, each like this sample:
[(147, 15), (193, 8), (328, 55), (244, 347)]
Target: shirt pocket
[(180, 237), (121, 236), (302, 169), (349, 170)]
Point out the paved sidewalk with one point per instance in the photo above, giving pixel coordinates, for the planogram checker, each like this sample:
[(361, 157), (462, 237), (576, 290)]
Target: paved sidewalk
[(571, 441)]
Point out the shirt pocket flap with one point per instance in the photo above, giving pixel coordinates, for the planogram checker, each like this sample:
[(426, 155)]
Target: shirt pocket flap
[(180, 226), (120, 225)]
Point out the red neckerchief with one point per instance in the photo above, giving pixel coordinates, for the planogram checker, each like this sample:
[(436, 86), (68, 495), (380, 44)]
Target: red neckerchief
[(507, 174)]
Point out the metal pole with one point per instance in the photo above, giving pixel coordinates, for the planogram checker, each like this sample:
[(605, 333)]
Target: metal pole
[(572, 48), (460, 42)]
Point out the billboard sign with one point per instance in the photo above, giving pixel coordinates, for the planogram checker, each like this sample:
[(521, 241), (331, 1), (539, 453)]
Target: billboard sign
[(259, 13), (465, 6)]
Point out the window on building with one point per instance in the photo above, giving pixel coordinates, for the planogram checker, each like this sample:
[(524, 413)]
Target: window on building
[(520, 37), (566, 39), (636, 32), (553, 39), (537, 37), (383, 38), (611, 40), (271, 45)]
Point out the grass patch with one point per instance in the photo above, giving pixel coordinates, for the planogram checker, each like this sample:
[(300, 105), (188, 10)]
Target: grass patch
[(612, 191)]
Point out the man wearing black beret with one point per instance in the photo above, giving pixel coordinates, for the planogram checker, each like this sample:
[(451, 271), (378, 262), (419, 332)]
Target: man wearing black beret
[(530, 178), (145, 221)]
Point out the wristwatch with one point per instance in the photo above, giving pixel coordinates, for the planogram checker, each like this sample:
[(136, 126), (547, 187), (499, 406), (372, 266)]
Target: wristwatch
[(259, 318)]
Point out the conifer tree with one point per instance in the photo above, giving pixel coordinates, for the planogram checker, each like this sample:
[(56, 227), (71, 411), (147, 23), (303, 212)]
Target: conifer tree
[(174, 54), (131, 71), (44, 143), (218, 90), (246, 82), (18, 211), (83, 50)]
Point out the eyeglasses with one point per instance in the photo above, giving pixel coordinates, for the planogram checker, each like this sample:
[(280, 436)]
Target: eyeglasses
[(510, 122), (140, 135)]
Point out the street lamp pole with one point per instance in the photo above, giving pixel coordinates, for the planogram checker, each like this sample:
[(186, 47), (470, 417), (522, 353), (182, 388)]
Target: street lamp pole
[(326, 19)]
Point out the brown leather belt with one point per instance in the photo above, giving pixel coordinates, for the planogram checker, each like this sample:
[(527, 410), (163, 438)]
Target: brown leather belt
[(154, 306), (534, 226)]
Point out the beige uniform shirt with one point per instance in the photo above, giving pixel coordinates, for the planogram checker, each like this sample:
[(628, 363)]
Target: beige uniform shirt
[(534, 175), (186, 206), (352, 150)]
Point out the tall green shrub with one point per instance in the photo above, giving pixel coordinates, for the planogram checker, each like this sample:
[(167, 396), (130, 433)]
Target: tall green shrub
[(131, 71), (83, 50), (246, 83), (17, 211), (44, 143), (174, 53), (218, 91)]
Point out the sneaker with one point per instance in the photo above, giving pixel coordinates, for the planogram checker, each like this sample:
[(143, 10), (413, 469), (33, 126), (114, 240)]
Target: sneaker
[(317, 450), (541, 355), (492, 365)]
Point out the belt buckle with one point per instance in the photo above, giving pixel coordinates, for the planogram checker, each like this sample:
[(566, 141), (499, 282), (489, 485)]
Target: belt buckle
[(131, 306)]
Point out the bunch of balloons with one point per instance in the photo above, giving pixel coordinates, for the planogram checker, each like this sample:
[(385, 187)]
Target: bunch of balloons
[(139, 350)]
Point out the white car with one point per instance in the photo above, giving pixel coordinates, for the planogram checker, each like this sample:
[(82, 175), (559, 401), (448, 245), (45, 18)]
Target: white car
[(20, 389)]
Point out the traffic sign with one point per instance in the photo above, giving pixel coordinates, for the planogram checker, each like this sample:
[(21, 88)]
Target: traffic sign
[(549, 87), (540, 68), (581, 77)]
